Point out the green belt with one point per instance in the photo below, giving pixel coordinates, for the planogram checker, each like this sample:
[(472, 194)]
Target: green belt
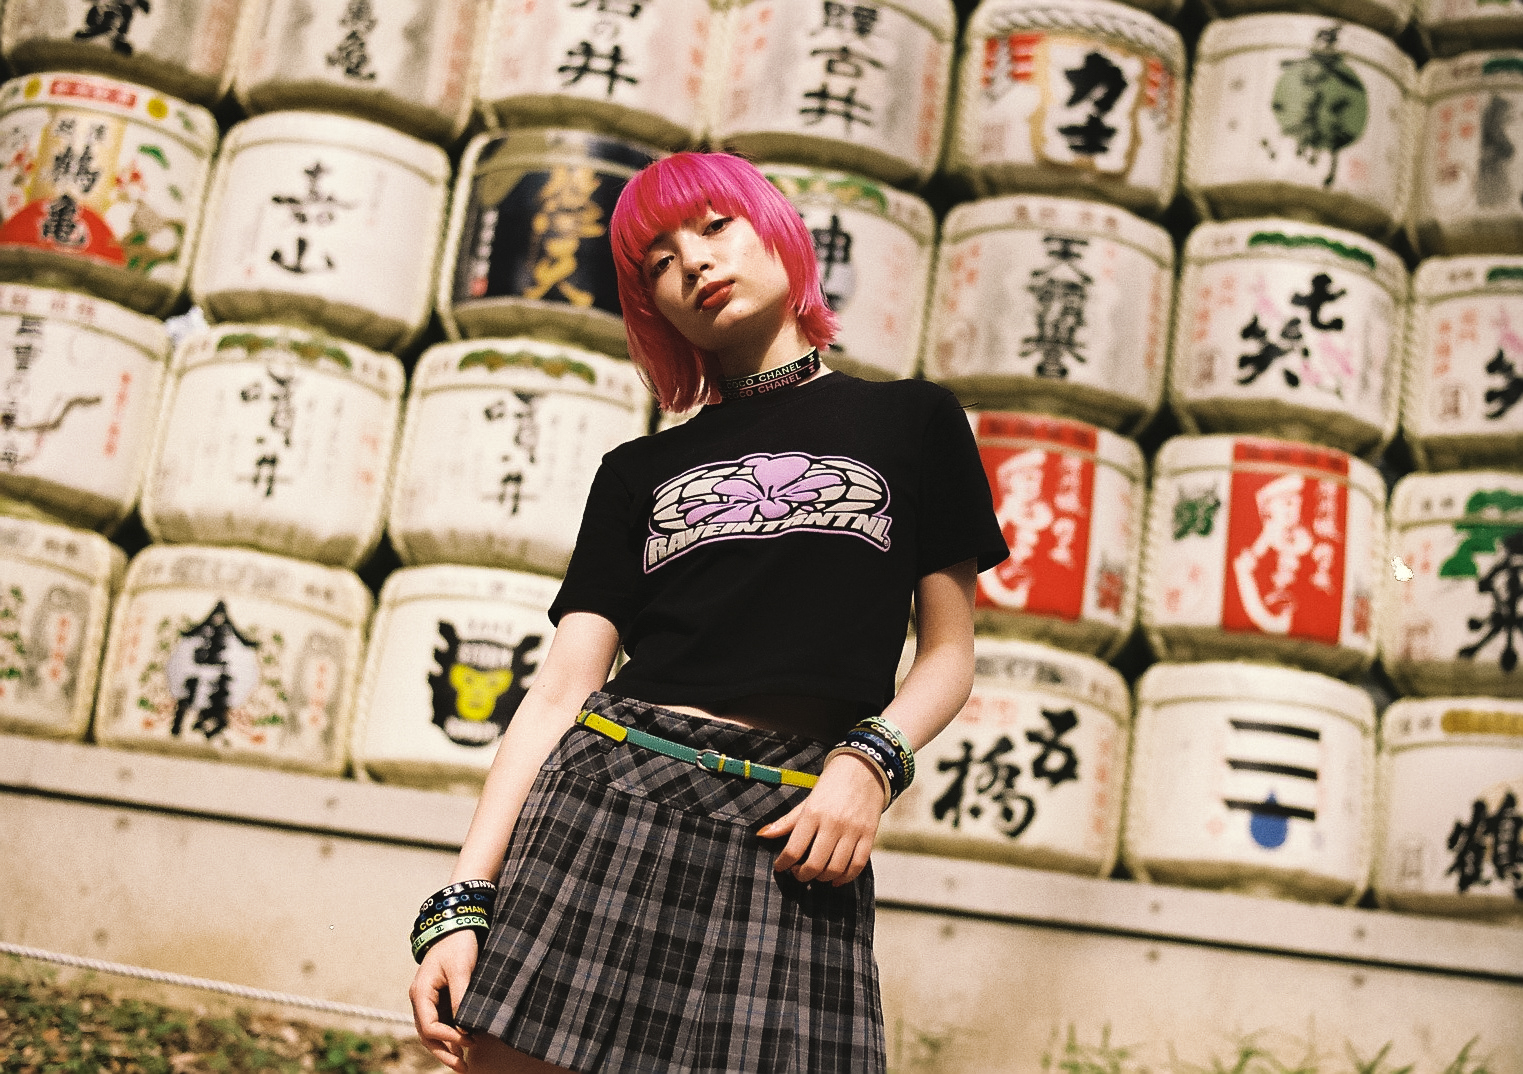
[(709, 760)]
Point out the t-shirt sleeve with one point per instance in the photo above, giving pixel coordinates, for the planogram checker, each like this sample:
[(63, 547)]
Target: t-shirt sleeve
[(957, 509), (604, 571)]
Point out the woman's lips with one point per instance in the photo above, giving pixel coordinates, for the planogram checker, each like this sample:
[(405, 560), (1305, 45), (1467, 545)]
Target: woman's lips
[(713, 295)]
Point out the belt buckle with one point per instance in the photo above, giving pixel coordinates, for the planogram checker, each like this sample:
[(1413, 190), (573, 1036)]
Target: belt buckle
[(710, 760)]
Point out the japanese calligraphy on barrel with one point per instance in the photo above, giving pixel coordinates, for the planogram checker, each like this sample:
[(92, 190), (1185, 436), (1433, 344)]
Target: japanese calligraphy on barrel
[(527, 250), (1263, 550), (410, 64), (1291, 330), (1469, 196), (500, 443), (103, 183), (1052, 304), (1253, 778), (1301, 116), (629, 67), (236, 654), (859, 85), (275, 438), (452, 652), (1068, 497), (1030, 771), (1454, 592), (326, 221), (1450, 787), (80, 384), (1464, 377), (873, 247), (1082, 97), (56, 589), (1453, 26), (183, 47)]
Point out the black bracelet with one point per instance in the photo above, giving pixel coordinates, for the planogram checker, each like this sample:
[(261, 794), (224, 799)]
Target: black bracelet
[(464, 887), (466, 905), (883, 755)]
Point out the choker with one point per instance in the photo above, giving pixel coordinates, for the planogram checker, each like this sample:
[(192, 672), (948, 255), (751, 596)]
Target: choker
[(760, 383)]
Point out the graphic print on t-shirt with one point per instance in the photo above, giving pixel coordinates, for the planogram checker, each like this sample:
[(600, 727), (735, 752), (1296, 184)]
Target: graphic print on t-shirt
[(765, 495)]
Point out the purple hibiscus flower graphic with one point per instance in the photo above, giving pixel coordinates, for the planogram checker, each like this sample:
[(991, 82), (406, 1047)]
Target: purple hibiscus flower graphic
[(775, 488)]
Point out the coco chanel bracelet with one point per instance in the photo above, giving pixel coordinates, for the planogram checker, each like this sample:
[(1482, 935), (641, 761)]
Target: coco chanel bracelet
[(467, 905), (885, 746)]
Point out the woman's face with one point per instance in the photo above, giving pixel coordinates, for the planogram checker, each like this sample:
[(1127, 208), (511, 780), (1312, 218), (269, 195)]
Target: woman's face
[(716, 282)]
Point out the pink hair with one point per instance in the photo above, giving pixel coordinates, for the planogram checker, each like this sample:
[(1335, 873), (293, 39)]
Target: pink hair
[(661, 198)]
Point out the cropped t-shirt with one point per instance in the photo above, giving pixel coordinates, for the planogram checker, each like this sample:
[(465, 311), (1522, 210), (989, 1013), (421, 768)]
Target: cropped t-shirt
[(771, 545)]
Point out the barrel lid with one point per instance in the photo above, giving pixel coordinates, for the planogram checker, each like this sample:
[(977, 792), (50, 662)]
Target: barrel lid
[(1428, 720), (309, 587), (814, 186), (555, 145), (1442, 277), (1481, 496), (1041, 212), (341, 131), (83, 553), (377, 370), (1059, 434), (451, 582), (1252, 33), (1236, 681), (1181, 454), (1495, 69), (1276, 238), (145, 333), (187, 123), (994, 18), (534, 364), (1026, 665)]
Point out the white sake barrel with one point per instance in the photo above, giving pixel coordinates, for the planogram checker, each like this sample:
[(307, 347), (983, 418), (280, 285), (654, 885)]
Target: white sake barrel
[(527, 250), (1452, 26), (1025, 60), (56, 588), (184, 47), (500, 444), (230, 653), (1290, 330), (326, 221), (1449, 788), (452, 652), (1296, 115), (1068, 497), (275, 438), (1052, 304), (629, 67), (1030, 772), (410, 64), (1390, 17), (1263, 550), (1469, 197), (861, 87), (1464, 384), (1454, 589), (80, 384), (102, 186), (1253, 778), (872, 244)]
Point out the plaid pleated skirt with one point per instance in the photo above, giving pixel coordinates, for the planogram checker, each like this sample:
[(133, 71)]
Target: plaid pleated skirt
[(640, 926)]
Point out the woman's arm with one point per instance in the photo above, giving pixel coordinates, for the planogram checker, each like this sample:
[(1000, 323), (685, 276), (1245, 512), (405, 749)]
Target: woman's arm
[(830, 833), (581, 654)]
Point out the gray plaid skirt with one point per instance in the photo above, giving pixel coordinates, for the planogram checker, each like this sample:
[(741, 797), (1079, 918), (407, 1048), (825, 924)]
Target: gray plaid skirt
[(640, 926)]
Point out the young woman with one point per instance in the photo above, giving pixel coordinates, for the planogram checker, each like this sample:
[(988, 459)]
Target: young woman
[(675, 891)]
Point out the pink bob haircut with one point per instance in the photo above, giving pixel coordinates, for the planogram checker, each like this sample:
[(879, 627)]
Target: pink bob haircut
[(661, 198)]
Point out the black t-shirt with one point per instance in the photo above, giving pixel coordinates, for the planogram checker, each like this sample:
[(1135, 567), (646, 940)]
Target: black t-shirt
[(772, 544)]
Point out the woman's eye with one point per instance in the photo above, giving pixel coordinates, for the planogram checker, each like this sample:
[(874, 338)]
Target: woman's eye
[(717, 224), (658, 266)]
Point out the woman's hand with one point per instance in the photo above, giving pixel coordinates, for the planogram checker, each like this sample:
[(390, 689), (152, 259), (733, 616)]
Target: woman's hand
[(830, 833), (436, 990)]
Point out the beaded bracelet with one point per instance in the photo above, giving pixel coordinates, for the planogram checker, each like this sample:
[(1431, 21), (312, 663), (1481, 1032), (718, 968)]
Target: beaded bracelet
[(466, 905)]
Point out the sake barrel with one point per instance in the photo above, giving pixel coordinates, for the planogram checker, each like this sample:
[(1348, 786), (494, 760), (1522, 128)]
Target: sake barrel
[(1450, 780), (1264, 550), (410, 64), (1454, 623), (1290, 330), (80, 384), (1052, 304), (278, 439), (236, 654), (56, 587), (103, 183), (183, 47), (1302, 116), (327, 221), (1083, 97), (1465, 364), (872, 245), (1068, 497), (1390, 17), (861, 87), (1252, 778), (628, 67), (452, 653), (500, 444), (1469, 197), (1452, 26), (527, 250), (1030, 771)]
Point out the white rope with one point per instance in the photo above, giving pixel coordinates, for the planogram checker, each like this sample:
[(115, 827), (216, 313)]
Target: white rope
[(205, 984)]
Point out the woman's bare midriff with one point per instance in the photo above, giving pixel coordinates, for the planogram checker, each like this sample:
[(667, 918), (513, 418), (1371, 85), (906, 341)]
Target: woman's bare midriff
[(825, 719)]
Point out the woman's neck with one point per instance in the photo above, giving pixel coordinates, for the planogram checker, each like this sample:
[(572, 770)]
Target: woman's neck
[(745, 360)]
